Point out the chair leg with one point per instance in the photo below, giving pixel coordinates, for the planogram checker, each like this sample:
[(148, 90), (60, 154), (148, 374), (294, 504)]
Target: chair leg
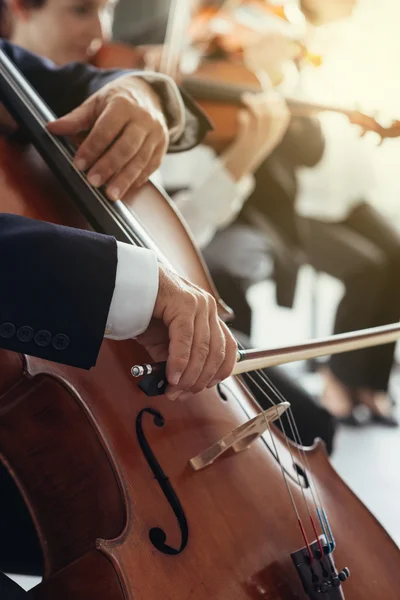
[(313, 363)]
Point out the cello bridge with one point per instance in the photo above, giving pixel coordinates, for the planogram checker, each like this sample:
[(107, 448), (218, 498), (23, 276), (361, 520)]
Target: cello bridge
[(240, 438)]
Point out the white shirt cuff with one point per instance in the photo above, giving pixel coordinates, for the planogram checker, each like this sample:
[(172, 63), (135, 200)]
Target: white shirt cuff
[(174, 105), (135, 292), (214, 203)]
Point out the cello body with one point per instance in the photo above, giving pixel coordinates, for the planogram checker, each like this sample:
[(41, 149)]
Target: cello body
[(104, 470), (80, 445)]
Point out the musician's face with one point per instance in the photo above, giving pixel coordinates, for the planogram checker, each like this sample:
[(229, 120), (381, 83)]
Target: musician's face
[(68, 30)]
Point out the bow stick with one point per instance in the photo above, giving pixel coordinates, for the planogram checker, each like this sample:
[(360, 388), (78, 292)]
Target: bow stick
[(252, 360)]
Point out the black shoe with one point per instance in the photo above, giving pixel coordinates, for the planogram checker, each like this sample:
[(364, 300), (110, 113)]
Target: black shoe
[(360, 416), (389, 420)]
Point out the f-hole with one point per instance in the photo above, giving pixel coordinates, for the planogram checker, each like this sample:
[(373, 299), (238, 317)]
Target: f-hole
[(302, 475), (221, 393), (20, 551)]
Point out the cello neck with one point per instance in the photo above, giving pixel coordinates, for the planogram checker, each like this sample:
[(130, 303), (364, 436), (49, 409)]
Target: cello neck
[(30, 112)]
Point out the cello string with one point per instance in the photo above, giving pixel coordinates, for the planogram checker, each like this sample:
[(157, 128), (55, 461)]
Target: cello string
[(294, 429), (178, 20), (321, 513), (66, 152), (271, 401), (283, 471), (289, 491), (280, 397), (300, 448)]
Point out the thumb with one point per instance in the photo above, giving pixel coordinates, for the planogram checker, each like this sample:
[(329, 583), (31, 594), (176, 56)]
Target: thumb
[(243, 121), (78, 120)]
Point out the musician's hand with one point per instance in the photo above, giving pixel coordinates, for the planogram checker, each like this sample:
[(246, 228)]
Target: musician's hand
[(152, 56), (261, 128), (268, 52), (7, 123), (187, 332), (127, 137)]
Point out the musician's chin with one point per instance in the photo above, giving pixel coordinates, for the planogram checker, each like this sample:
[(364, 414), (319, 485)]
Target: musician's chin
[(82, 54)]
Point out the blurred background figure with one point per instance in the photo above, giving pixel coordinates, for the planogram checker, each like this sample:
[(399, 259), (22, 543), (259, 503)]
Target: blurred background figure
[(342, 233), (75, 29), (147, 25)]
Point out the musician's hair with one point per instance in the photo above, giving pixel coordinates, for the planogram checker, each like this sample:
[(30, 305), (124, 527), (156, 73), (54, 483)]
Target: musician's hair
[(5, 16)]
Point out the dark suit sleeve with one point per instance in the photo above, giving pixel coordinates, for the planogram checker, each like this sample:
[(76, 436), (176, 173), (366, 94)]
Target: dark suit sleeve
[(65, 88), (56, 288), (304, 143)]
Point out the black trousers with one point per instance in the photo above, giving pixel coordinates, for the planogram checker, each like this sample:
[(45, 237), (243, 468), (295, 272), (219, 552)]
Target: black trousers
[(364, 253), (10, 590), (20, 550), (312, 420), (238, 257), (19, 547)]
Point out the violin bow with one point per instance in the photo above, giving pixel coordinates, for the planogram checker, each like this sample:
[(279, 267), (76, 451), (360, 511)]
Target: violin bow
[(178, 20), (253, 360)]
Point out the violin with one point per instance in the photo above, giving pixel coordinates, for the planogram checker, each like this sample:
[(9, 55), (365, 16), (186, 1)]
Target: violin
[(122, 497), (218, 86), (235, 25)]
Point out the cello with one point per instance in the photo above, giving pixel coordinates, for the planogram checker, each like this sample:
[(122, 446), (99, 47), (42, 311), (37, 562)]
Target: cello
[(106, 471)]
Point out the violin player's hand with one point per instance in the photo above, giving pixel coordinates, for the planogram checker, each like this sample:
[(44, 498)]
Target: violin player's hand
[(268, 52), (262, 124), (186, 331), (152, 56), (127, 138)]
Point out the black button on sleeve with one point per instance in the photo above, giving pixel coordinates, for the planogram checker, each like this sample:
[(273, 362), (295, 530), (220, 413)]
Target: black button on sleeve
[(7, 330), (60, 341), (42, 337), (25, 333)]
